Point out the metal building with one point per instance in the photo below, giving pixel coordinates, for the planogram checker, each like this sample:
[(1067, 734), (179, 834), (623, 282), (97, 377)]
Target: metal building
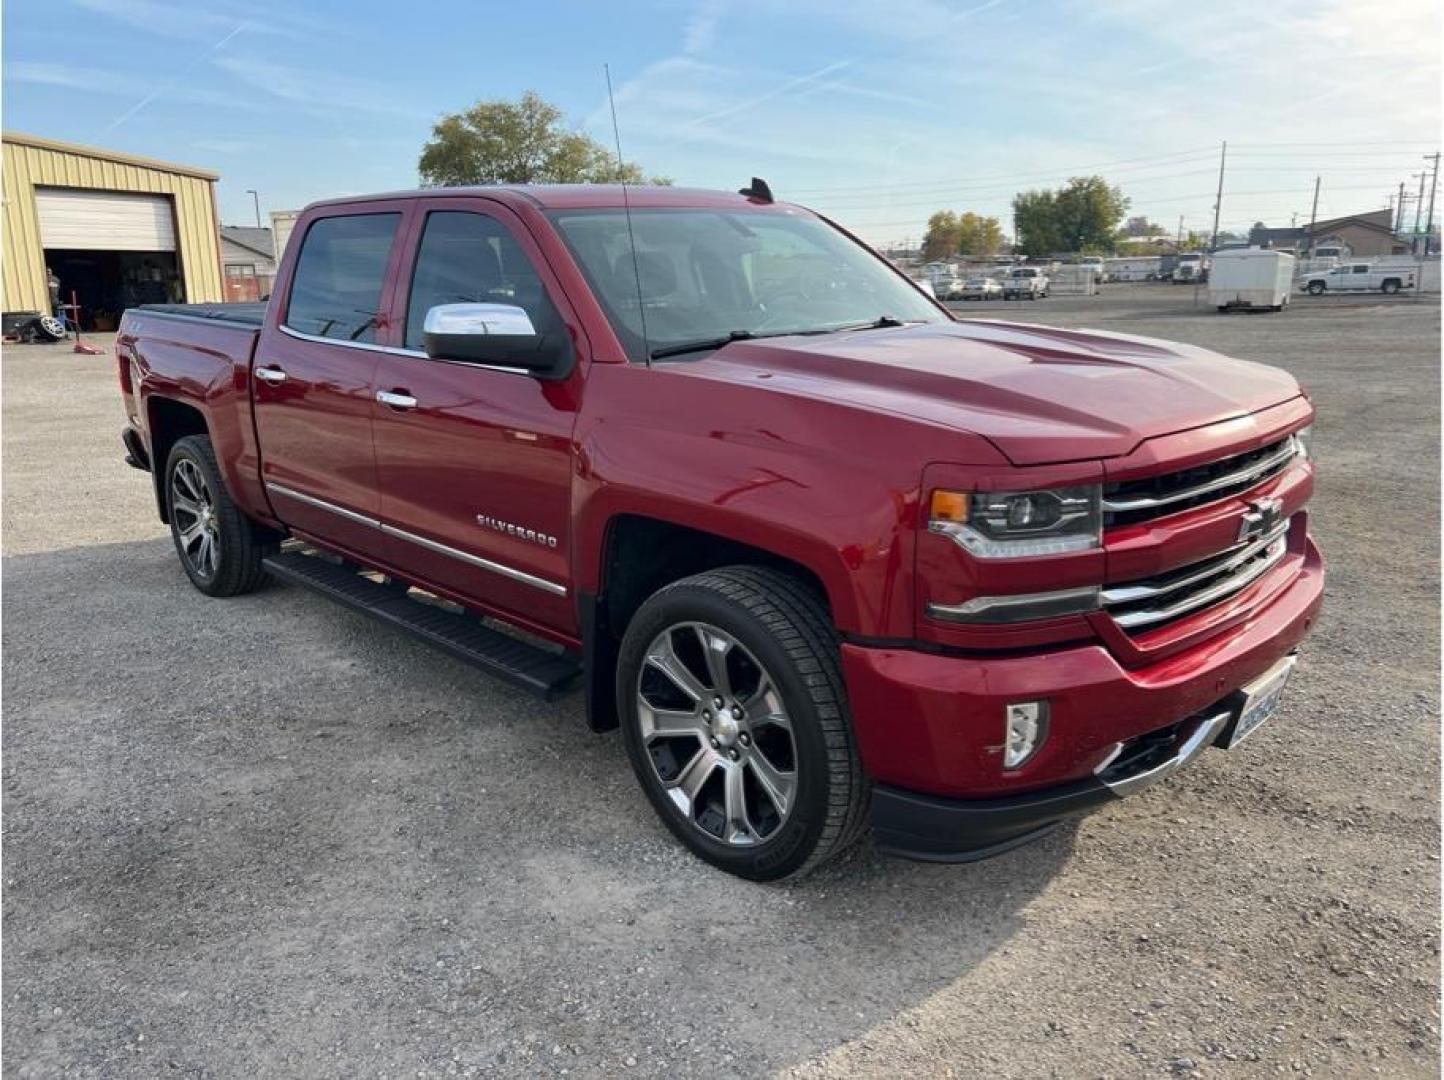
[(117, 230)]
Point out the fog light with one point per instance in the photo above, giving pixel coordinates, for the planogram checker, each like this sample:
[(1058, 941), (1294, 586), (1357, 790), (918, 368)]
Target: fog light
[(1026, 728)]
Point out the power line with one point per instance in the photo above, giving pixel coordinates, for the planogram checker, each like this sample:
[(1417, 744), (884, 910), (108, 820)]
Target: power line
[(855, 201), (989, 177)]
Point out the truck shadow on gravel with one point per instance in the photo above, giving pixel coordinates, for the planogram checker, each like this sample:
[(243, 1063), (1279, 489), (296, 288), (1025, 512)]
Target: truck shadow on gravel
[(274, 837)]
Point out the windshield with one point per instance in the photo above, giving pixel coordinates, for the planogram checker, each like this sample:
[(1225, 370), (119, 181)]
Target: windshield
[(711, 274)]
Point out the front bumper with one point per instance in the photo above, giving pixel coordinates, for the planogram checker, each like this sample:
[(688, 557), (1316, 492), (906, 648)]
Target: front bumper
[(929, 725), (958, 830)]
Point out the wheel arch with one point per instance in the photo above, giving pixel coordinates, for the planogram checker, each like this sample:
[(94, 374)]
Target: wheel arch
[(639, 554), (169, 420)]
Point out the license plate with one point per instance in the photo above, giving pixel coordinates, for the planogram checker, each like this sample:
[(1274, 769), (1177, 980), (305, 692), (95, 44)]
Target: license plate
[(1261, 700)]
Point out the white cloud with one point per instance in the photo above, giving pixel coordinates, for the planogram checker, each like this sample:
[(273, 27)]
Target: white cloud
[(318, 91), (701, 28), (193, 22), (109, 82)]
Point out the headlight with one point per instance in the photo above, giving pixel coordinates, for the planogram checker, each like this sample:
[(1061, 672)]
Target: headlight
[(1304, 439), (1013, 524)]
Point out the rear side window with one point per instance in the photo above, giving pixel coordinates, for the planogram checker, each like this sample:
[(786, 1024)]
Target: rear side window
[(469, 258), (336, 291)]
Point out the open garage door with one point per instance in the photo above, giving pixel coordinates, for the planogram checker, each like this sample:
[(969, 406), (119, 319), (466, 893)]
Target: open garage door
[(111, 250), (104, 220)]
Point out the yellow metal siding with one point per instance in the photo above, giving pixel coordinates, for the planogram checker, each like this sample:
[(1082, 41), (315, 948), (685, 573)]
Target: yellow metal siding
[(26, 167)]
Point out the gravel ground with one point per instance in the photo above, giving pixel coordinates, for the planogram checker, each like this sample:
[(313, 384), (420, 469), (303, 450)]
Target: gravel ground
[(267, 837)]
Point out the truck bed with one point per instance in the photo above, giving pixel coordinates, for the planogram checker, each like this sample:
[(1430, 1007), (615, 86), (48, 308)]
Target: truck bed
[(253, 315)]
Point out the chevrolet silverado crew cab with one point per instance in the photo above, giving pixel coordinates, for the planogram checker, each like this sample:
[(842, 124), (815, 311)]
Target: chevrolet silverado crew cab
[(1358, 277), (831, 558)]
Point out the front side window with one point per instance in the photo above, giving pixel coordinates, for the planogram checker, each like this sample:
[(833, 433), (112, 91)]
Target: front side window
[(468, 258), (710, 274), (340, 274)]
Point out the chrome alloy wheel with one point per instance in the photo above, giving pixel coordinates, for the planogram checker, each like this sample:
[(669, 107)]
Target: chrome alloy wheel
[(194, 510), (715, 729)]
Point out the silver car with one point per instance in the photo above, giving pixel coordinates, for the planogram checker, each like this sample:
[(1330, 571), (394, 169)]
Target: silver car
[(981, 287)]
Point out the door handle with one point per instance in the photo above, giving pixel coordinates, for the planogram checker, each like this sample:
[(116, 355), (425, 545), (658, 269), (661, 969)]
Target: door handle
[(271, 375), (396, 399)]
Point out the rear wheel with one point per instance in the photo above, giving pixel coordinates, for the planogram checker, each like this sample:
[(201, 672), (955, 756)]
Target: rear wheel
[(220, 548), (735, 719), (1391, 286)]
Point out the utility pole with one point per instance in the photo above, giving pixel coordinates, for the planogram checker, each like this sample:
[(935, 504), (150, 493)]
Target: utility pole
[(1433, 183), (1400, 216), (1218, 200), (1418, 214), (257, 200), (1179, 246), (1314, 213)]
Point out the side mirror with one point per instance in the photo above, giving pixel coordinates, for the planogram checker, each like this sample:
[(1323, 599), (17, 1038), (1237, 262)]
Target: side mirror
[(500, 334)]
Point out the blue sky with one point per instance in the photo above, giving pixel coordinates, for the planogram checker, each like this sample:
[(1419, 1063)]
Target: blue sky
[(876, 111)]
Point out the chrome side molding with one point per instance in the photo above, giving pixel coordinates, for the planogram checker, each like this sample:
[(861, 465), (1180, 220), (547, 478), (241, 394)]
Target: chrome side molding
[(421, 541)]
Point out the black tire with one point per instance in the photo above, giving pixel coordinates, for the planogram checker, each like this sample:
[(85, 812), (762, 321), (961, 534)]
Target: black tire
[(1223, 309), (1390, 286), (786, 628), (241, 543), (1316, 288)]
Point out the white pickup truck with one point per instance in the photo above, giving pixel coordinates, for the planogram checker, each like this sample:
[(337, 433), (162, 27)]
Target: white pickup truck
[(1025, 283), (1359, 277)]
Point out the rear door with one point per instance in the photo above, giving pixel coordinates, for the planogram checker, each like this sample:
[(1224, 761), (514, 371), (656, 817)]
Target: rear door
[(313, 373), (475, 477)]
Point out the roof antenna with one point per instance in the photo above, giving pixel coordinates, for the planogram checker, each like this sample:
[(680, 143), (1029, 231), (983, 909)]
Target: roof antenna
[(627, 210), (759, 190)]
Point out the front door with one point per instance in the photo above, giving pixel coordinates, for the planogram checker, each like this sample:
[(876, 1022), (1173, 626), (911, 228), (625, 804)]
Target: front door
[(313, 380), (475, 476)]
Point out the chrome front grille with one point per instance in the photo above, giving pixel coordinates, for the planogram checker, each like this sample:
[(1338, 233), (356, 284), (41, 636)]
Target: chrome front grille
[(1142, 605), (1133, 501)]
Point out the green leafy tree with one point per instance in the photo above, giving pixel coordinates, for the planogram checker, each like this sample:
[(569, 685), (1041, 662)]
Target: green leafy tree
[(518, 142), (1083, 215), (1035, 223)]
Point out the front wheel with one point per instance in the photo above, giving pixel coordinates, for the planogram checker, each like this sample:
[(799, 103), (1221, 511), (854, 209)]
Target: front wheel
[(736, 722), (220, 548), (1316, 288)]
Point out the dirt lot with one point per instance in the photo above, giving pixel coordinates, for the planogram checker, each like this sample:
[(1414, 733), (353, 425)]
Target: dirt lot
[(267, 837)]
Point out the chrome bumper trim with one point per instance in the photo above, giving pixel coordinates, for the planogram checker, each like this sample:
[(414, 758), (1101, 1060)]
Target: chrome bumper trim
[(1209, 728)]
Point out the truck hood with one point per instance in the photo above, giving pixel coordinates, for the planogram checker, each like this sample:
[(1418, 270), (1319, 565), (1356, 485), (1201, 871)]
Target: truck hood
[(1040, 395)]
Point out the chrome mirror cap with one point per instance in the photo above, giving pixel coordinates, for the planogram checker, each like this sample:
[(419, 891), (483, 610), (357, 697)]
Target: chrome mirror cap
[(505, 320)]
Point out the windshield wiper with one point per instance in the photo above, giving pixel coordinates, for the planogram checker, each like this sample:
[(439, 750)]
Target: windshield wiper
[(882, 322), (704, 343)]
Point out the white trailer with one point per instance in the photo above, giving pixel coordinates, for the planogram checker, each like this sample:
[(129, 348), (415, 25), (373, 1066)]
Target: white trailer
[(1134, 268), (1251, 278)]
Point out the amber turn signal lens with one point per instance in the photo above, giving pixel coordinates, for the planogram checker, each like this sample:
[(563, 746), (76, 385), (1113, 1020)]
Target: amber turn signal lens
[(949, 506)]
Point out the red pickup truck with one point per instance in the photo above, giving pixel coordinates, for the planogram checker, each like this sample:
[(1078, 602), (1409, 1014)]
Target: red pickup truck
[(830, 557)]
